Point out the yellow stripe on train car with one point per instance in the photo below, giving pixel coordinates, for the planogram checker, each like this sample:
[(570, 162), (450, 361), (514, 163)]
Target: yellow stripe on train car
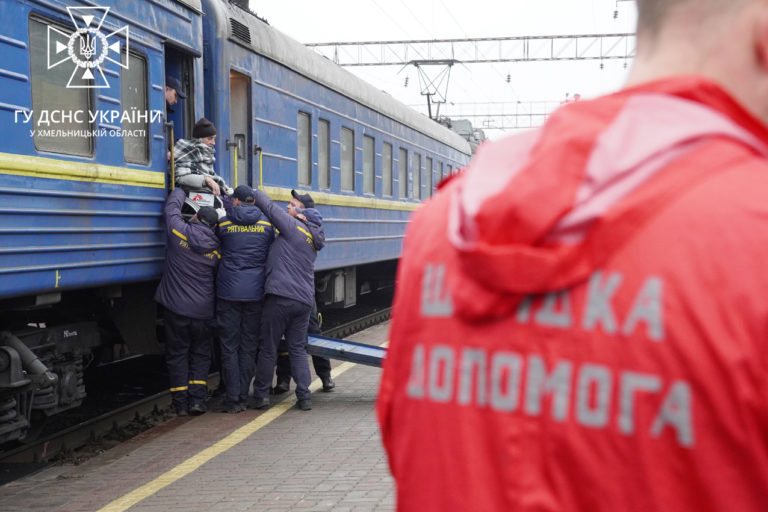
[(51, 168), (284, 194)]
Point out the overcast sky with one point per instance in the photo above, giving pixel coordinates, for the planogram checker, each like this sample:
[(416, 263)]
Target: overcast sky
[(372, 20)]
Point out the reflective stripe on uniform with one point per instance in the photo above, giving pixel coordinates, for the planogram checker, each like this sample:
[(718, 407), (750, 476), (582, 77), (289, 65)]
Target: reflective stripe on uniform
[(180, 235), (264, 222), (304, 231), (200, 382), (225, 223), (180, 388)]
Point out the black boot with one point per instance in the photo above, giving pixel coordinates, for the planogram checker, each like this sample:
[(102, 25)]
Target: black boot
[(258, 403), (282, 387), (328, 383)]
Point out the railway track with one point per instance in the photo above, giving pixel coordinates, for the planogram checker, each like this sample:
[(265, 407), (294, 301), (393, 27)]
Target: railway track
[(50, 447), (358, 324), (32, 456)]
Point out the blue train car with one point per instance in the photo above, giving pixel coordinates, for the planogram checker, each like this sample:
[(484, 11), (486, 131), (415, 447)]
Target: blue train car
[(289, 118), (83, 184), (84, 161), (79, 209)]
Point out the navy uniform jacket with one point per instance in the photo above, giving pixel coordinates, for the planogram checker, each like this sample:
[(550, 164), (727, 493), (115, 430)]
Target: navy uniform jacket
[(245, 234), (188, 284), (291, 261)]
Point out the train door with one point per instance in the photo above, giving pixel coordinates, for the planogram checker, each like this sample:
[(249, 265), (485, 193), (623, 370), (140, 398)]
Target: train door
[(239, 136), (179, 65)]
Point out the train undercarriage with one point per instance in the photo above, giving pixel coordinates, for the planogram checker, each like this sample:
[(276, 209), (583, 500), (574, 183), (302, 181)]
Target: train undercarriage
[(48, 342)]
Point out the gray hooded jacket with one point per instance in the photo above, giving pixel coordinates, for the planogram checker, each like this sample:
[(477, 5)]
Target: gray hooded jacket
[(291, 261)]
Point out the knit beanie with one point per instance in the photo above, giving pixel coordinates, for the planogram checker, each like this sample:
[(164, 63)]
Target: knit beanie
[(203, 128)]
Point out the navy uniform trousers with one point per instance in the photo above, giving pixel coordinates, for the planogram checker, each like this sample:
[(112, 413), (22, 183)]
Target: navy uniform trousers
[(322, 365), (288, 317), (188, 355), (239, 323)]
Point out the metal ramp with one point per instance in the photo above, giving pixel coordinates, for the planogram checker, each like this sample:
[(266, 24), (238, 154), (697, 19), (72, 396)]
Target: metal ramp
[(344, 350)]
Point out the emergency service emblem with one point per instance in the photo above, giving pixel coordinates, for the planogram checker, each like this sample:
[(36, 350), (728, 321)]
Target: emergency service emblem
[(87, 47)]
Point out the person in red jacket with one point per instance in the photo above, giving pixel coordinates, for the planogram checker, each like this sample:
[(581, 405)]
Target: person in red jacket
[(581, 316)]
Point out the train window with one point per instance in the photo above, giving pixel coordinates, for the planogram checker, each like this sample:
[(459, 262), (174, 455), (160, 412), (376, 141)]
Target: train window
[(402, 174), (133, 89), (416, 189), (303, 155), (386, 169), (324, 153), (442, 171), (51, 95), (347, 159), (427, 180), (369, 165)]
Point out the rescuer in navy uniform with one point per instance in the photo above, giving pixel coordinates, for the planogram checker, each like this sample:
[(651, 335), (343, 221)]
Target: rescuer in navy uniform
[(246, 235), (187, 291), (290, 289)]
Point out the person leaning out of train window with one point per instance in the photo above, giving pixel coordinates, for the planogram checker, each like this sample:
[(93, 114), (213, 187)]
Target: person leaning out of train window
[(195, 159), (246, 235), (290, 292), (187, 292), (173, 93)]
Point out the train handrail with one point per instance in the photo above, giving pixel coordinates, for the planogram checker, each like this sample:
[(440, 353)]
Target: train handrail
[(169, 124), (261, 175), (233, 144)]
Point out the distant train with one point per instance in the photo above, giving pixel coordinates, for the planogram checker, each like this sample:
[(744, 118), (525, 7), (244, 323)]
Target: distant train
[(85, 172)]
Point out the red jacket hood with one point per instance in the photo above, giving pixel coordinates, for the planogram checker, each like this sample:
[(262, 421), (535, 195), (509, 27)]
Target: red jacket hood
[(536, 212)]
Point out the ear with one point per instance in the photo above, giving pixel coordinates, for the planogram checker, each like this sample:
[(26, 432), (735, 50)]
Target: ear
[(761, 39)]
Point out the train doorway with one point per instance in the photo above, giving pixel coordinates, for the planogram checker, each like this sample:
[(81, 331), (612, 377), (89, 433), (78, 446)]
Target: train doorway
[(238, 143), (179, 65)]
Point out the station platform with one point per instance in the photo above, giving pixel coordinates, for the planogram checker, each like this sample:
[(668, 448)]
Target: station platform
[(329, 458)]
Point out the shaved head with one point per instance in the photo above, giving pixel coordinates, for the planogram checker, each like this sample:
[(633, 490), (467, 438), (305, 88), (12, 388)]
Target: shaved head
[(652, 15), (724, 41)]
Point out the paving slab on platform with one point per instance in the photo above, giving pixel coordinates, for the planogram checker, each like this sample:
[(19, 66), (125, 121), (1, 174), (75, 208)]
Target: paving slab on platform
[(329, 458)]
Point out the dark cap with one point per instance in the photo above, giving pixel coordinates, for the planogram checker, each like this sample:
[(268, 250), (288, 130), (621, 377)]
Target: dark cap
[(203, 128), (305, 199), (244, 193), (174, 83), (207, 215)]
